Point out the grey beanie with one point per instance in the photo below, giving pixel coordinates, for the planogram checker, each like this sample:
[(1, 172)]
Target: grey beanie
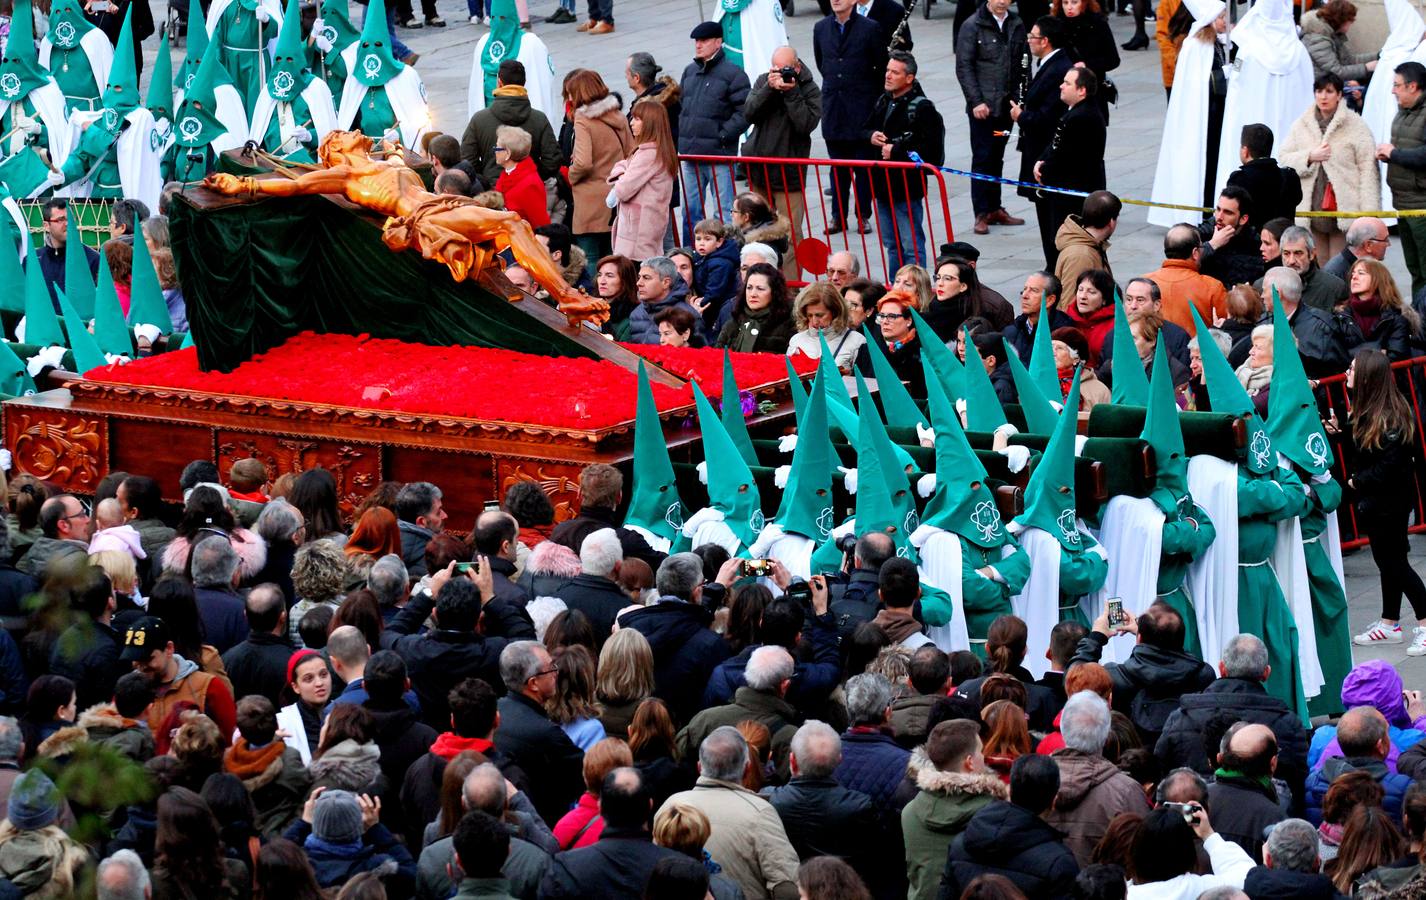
[(337, 817), (34, 801)]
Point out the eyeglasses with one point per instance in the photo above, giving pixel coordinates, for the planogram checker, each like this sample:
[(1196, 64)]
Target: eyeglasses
[(941, 278), (883, 317), (60, 221), (1376, 240), (501, 150), (552, 670)]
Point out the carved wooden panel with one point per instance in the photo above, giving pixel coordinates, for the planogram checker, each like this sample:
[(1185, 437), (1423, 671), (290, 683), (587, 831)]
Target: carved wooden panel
[(159, 448), (559, 480), (466, 480), (68, 449), (356, 467)]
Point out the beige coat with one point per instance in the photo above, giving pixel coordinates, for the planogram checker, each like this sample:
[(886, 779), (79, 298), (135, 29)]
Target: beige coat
[(601, 139), (748, 839), (1352, 168)]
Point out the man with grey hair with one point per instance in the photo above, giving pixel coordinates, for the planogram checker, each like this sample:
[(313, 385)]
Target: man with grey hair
[(679, 631), (768, 674), (1092, 789), (1239, 690), (391, 584), (1319, 341), (1291, 864), (1367, 238), (420, 515), (529, 737), (747, 838), (843, 268), (594, 590), (485, 790), (659, 288), (1320, 290), (123, 877), (821, 817), (874, 764), (215, 576)]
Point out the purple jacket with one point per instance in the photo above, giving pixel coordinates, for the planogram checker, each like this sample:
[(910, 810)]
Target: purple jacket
[(1375, 683)]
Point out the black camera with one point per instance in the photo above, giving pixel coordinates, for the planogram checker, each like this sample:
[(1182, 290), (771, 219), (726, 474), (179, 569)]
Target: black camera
[(788, 74), (847, 543)]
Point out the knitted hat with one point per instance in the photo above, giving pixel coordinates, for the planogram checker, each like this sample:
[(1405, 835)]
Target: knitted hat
[(337, 817), (34, 802)]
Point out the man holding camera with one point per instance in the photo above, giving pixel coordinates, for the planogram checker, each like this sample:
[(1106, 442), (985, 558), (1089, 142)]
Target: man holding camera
[(784, 108)]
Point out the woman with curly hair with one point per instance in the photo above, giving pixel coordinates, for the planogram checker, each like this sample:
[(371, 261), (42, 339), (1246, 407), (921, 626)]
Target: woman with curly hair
[(319, 574)]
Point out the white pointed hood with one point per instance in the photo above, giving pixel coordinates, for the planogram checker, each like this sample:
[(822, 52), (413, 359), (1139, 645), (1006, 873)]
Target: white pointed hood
[(1268, 36)]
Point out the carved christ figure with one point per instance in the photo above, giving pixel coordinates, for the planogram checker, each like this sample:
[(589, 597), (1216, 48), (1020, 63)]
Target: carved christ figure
[(448, 229)]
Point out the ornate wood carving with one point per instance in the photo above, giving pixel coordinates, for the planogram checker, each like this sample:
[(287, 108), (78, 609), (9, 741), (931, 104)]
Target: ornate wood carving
[(559, 481), (71, 452), (355, 467)]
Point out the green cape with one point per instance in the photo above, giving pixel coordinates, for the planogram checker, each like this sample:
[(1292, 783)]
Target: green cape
[(504, 42), (110, 332), (197, 46), (983, 409), (943, 362), (654, 504), (1040, 416), (806, 507), (884, 502), (78, 280), (20, 69), (731, 489), (121, 92), (896, 404), (1049, 497), (1043, 370), (67, 24), (1226, 394), (730, 412), (87, 354), (159, 99), (1165, 434), (963, 502), (41, 324), (288, 77), (146, 303), (1131, 386), (1293, 419), (375, 65)]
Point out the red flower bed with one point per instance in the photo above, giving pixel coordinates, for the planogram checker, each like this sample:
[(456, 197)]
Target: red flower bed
[(469, 382), (706, 365)]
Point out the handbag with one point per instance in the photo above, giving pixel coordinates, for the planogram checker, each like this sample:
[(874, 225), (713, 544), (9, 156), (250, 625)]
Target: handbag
[(1329, 199)]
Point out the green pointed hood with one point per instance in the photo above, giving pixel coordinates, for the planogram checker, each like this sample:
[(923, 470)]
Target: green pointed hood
[(146, 303), (884, 501), (943, 360), (13, 283), (20, 69), (806, 507), (159, 100), (14, 377), (963, 502), (289, 77), (730, 413), (196, 48), (1226, 395), (67, 24), (797, 390), (1164, 433), (504, 43), (87, 354), (896, 403), (337, 24), (1049, 497), (1040, 416), (188, 341), (731, 489), (110, 332), (1131, 386), (375, 65), (983, 409), (654, 504), (41, 324), (197, 123), (78, 280), (121, 92), (1293, 421), (1043, 370), (841, 412)]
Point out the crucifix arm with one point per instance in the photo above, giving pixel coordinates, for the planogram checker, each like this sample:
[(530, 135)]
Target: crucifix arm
[(323, 181)]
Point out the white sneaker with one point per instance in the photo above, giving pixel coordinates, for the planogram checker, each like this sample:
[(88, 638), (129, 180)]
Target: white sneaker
[(477, 20), (1418, 642), (1380, 632)]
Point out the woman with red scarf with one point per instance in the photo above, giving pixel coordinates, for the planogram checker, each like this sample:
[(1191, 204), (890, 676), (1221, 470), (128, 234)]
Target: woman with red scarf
[(1375, 315), (1092, 310)]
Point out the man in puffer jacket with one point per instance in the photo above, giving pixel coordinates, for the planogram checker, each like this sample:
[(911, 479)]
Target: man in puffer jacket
[(1014, 840), (660, 287), (342, 838), (36, 855), (1362, 732)]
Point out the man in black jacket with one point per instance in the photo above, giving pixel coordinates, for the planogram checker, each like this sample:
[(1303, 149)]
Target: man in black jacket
[(509, 106), (1239, 690), (619, 863), (259, 664), (1020, 334), (904, 121), (495, 538), (1319, 339), (1231, 252), (1292, 863), (990, 49), (1243, 801), (1011, 839), (1320, 290), (850, 50), (601, 492), (534, 742), (1148, 684), (1276, 190), (855, 601), (821, 817), (1075, 157), (1038, 114), (593, 591), (87, 652), (783, 112), (710, 124)]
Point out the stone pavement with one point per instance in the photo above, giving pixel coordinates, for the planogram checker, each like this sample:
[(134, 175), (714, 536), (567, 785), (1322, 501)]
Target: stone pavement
[(661, 27)]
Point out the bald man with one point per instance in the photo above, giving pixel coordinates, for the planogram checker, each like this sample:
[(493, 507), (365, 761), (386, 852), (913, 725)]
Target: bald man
[(784, 107), (1243, 800), (1366, 740), (1367, 238)]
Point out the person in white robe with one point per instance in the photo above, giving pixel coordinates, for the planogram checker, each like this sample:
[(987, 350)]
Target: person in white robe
[(507, 40), (1188, 152)]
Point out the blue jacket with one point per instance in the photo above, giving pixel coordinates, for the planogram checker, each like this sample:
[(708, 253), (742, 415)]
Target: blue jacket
[(380, 851), (686, 651), (643, 329), (52, 267), (713, 94), (873, 763), (715, 279), (852, 61), (812, 681), (1394, 784)]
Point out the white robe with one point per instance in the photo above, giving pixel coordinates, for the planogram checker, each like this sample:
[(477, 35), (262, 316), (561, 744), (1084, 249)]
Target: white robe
[(1379, 106), (48, 101), (1213, 577), (319, 102), (1183, 155), (539, 78), (791, 549), (1289, 564), (1132, 535), (1270, 81), (763, 31), (942, 567), (1038, 605), (405, 91), (22, 227), (139, 152), (97, 50)]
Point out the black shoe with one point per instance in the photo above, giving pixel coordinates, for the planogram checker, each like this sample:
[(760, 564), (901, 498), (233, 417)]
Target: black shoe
[(864, 227), (561, 16), (836, 228), (1137, 42)]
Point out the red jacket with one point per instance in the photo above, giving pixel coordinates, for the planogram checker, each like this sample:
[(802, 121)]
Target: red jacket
[(524, 192), (1095, 327), (581, 826)]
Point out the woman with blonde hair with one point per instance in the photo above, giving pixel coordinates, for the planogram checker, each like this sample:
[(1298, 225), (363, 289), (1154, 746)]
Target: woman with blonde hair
[(916, 281), (601, 140), (625, 679), (685, 828), (642, 184), (821, 312), (1376, 317)]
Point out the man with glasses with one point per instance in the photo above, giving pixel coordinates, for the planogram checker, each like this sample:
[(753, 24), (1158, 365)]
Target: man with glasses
[(65, 528), (51, 254), (527, 734), (1366, 238), (1037, 112)]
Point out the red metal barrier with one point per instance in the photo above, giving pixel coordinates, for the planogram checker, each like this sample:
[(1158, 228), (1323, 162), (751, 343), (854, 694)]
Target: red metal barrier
[(810, 179), (1411, 379)]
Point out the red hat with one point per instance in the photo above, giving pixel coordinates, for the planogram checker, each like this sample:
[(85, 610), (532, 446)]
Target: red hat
[(297, 659)]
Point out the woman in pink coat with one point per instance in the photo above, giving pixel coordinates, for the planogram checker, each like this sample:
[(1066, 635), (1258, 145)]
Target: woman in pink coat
[(643, 183)]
